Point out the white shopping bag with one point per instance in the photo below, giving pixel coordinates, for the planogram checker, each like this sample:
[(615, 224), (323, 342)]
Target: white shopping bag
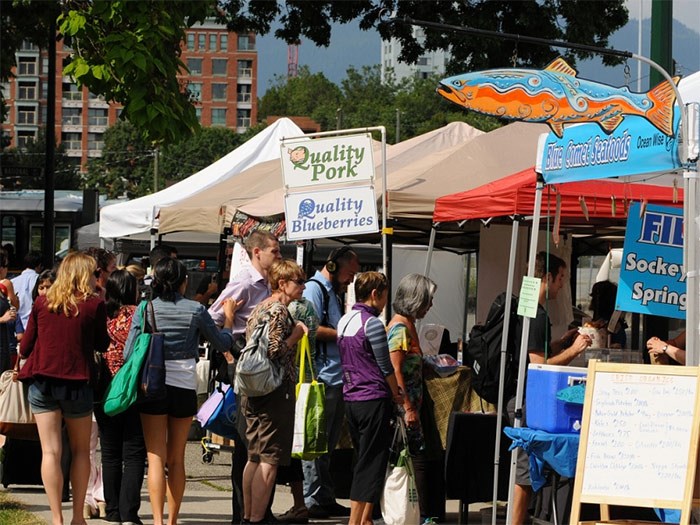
[(399, 501)]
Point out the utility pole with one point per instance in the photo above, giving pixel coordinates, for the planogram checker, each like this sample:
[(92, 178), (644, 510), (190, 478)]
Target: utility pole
[(661, 39), (48, 242), (339, 118), (398, 126), (155, 169)]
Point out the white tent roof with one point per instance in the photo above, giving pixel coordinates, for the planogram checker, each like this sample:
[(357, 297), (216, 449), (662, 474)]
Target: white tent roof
[(139, 215), (690, 88), (210, 210)]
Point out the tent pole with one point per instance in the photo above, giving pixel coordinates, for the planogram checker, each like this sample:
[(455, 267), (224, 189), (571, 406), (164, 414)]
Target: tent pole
[(431, 246), (522, 362), (501, 378), (691, 213)]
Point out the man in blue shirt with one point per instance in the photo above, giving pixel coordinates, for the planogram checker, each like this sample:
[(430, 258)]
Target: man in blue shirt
[(323, 291), (24, 284)]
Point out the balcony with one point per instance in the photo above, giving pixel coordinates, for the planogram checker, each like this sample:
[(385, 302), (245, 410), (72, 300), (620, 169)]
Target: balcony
[(245, 72), (245, 98)]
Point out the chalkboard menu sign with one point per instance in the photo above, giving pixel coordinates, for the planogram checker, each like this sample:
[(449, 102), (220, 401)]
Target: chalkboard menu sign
[(639, 441)]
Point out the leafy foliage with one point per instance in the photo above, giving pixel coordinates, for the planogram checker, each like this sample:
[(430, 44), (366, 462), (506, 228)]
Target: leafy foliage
[(363, 100), (127, 163), (130, 53), (66, 176)]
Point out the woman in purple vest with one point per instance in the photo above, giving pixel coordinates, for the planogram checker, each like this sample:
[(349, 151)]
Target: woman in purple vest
[(369, 385)]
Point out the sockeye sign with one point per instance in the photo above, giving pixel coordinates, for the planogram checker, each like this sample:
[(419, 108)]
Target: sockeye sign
[(323, 161), (652, 277)]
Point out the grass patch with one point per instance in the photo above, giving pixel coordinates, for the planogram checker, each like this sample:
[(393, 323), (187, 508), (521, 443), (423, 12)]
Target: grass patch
[(208, 484), (14, 512)]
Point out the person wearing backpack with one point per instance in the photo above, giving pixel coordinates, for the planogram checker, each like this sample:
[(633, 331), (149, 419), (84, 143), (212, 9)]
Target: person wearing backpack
[(552, 272), (323, 290), (270, 417)]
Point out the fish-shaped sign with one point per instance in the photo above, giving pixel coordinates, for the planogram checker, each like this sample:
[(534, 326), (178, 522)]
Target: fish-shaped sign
[(555, 96)]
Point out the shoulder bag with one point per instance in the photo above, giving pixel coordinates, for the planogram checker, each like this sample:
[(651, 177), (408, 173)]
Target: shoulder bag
[(256, 374), (16, 418), (153, 371)]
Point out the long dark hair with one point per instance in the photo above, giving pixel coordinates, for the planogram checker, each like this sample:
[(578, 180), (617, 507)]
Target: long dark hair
[(168, 276), (120, 290), (46, 275)]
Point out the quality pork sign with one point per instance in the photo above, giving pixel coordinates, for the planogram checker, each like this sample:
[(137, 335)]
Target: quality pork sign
[(331, 213), (323, 161)]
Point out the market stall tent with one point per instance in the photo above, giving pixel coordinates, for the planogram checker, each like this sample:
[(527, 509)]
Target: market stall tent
[(141, 215), (211, 210)]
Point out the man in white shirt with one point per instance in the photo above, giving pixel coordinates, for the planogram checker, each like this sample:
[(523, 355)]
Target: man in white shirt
[(24, 284)]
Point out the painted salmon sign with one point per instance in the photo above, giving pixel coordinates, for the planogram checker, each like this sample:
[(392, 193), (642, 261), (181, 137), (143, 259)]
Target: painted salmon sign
[(323, 161), (557, 97)]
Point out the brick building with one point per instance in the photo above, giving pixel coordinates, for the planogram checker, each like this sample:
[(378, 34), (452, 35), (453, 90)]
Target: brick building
[(223, 82)]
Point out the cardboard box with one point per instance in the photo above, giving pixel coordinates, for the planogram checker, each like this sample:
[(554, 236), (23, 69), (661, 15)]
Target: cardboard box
[(543, 410)]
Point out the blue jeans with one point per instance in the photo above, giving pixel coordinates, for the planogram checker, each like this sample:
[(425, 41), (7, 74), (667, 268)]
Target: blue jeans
[(318, 483)]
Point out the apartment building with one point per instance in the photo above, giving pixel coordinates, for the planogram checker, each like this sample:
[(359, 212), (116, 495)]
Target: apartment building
[(222, 82), (430, 63)]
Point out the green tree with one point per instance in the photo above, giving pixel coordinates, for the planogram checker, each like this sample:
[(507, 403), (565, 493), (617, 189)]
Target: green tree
[(130, 51), (126, 165), (179, 161), (306, 94), (66, 176)]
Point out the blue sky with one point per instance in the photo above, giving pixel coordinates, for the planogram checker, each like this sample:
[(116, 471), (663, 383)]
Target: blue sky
[(352, 47)]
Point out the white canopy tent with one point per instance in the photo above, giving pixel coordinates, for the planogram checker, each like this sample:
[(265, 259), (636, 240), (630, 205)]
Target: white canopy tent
[(141, 215), (262, 184)]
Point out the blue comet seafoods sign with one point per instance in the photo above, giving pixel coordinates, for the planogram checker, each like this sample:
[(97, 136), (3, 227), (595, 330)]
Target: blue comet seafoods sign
[(652, 277), (585, 152)]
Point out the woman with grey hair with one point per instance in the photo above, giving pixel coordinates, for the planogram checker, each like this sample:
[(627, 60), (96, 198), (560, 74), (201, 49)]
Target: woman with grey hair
[(414, 297)]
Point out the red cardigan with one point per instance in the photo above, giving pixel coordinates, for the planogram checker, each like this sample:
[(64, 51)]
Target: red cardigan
[(62, 347)]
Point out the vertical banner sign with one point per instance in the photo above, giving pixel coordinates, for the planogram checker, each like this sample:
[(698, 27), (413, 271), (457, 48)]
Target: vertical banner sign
[(652, 276), (331, 187), (323, 161)]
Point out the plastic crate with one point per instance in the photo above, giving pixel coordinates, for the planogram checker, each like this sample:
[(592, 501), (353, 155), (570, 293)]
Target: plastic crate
[(543, 410)]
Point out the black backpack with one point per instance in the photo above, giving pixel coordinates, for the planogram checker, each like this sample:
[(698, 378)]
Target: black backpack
[(483, 351)]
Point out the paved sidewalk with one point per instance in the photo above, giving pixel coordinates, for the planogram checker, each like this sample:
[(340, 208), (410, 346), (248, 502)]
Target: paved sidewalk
[(207, 496)]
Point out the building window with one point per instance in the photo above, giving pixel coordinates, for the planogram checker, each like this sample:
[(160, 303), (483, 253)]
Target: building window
[(26, 91), (45, 66), (245, 43), (195, 66), (243, 118), (218, 117), (26, 65), (190, 41), (198, 113), (24, 137), (212, 41), (95, 142), (72, 116), (422, 61), (245, 69), (26, 115), (97, 117), (219, 66), (71, 92), (26, 45), (224, 42), (202, 41), (72, 141), (195, 89), (218, 91), (244, 93), (44, 89)]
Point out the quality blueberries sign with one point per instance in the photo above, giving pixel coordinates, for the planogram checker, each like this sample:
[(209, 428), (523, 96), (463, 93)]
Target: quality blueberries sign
[(323, 161), (652, 277), (331, 213)]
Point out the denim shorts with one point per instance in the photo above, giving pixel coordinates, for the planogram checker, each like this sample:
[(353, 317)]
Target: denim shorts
[(70, 408)]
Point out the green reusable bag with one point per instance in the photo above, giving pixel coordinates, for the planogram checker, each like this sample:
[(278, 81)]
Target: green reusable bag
[(123, 389), (310, 440)]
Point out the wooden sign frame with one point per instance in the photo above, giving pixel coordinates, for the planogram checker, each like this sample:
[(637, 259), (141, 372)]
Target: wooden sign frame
[(642, 379)]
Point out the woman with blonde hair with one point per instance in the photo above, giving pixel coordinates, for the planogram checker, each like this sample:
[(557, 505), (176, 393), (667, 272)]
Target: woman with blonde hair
[(270, 418), (65, 326)]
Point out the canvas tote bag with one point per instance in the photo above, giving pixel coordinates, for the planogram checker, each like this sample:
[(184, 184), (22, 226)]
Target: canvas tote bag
[(399, 501), (16, 418), (310, 440)]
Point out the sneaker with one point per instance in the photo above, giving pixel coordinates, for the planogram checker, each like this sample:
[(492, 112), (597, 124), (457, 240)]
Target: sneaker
[(335, 509), (295, 515), (318, 512)]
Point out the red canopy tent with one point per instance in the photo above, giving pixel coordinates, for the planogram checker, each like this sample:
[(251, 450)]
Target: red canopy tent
[(515, 195)]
